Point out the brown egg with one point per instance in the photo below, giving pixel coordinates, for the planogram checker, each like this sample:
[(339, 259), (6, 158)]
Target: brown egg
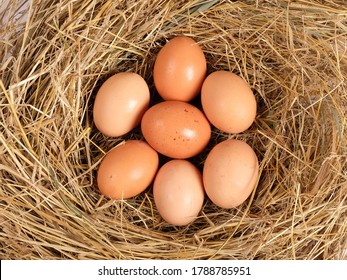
[(127, 170), (230, 173), (178, 192), (228, 102), (176, 129), (179, 69), (120, 104)]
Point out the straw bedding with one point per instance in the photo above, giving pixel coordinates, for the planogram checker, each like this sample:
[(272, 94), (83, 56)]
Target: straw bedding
[(292, 53)]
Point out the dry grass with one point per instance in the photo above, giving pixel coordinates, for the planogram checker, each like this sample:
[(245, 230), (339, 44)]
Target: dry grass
[(293, 55)]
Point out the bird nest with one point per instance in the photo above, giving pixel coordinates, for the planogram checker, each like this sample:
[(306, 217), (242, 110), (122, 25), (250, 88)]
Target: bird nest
[(54, 57)]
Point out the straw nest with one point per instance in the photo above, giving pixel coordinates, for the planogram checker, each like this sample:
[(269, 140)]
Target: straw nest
[(292, 53)]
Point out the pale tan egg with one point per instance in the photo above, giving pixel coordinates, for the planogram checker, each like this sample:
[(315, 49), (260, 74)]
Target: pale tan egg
[(228, 102), (230, 173), (178, 192), (120, 104)]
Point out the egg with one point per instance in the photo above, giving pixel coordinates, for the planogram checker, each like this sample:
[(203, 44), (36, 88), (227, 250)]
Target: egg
[(120, 104), (127, 170), (178, 192), (230, 173), (228, 102), (176, 129), (179, 69)]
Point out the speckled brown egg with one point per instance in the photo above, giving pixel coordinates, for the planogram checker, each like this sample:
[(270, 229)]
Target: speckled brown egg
[(176, 129)]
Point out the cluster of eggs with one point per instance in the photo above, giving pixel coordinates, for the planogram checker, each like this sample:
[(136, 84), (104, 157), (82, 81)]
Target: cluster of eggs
[(177, 129)]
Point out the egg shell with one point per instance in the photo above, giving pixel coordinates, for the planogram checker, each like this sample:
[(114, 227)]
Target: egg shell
[(178, 192), (179, 69), (228, 102), (120, 104), (176, 129), (230, 173), (127, 170)]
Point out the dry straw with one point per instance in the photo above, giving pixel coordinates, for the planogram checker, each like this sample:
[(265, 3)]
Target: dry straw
[(292, 53)]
